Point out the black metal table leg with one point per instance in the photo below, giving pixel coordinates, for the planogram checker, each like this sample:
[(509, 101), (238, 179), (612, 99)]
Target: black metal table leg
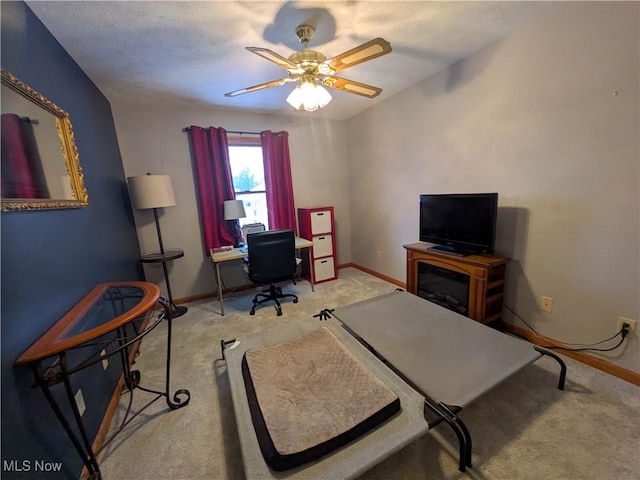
[(86, 452), (177, 401)]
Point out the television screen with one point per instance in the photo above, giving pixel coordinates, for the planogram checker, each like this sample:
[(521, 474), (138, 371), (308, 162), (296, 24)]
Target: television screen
[(461, 223)]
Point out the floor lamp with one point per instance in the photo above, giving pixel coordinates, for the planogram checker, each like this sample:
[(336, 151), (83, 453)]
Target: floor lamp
[(155, 191)]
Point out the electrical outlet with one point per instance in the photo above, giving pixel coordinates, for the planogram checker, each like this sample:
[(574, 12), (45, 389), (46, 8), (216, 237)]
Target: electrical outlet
[(631, 323), (80, 402), (105, 361), (379, 255), (546, 304)]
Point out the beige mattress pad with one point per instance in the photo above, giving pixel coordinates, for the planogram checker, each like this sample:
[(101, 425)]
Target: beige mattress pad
[(310, 393)]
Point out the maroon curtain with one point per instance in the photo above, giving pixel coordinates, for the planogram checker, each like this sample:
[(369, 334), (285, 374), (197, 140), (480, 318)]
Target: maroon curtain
[(277, 175), (210, 151), (21, 169)]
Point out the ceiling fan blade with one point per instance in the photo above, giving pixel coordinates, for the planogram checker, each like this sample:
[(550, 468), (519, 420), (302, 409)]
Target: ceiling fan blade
[(261, 86), (351, 86), (275, 58), (365, 52)]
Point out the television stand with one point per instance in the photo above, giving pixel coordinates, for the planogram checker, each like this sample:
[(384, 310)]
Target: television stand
[(451, 250), (486, 275)]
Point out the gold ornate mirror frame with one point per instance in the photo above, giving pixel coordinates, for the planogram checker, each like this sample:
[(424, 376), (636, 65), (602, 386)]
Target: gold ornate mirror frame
[(57, 160)]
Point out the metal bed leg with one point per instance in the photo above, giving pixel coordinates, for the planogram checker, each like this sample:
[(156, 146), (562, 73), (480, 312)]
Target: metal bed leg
[(464, 455), (223, 345), (563, 367), (463, 429)]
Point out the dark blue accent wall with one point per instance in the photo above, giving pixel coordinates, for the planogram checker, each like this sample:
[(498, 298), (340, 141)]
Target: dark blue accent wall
[(51, 258)]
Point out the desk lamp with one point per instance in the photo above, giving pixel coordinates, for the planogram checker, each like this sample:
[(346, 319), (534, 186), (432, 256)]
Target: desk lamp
[(233, 210), (155, 191)]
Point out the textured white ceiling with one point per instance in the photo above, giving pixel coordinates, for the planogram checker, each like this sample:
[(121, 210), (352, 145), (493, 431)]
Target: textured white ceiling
[(177, 53)]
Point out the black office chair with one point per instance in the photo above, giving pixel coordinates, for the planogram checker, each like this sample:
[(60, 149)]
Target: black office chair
[(272, 258)]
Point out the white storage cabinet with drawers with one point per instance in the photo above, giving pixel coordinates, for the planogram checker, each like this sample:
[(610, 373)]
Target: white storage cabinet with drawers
[(317, 224)]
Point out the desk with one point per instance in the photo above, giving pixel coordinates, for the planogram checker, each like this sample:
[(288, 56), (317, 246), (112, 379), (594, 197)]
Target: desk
[(110, 320), (236, 254)]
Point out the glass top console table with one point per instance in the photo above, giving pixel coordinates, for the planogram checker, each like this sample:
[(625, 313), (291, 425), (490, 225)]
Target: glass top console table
[(109, 321)]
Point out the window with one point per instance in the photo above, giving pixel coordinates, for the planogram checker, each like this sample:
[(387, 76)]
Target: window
[(247, 172)]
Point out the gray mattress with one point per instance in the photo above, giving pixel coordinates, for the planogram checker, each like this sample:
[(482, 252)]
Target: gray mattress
[(350, 460), (449, 357)]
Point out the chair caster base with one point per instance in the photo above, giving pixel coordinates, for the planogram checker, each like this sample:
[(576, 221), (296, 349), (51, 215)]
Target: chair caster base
[(271, 294)]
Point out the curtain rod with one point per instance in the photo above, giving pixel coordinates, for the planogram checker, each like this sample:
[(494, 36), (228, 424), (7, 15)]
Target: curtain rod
[(30, 120), (186, 129)]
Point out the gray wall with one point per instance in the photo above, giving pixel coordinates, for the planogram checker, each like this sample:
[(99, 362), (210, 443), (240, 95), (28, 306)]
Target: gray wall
[(51, 259), (151, 140), (547, 117)]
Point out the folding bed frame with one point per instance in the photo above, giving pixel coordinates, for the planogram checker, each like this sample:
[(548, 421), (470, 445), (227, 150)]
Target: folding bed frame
[(435, 360)]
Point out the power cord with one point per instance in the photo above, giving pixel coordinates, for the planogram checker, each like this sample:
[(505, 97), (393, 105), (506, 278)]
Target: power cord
[(624, 331)]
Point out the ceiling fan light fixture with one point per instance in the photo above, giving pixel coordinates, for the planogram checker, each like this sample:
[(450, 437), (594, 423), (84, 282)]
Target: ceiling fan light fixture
[(314, 71), (309, 96)]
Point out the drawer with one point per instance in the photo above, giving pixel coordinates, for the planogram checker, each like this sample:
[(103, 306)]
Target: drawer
[(322, 246), (320, 222), (324, 269)]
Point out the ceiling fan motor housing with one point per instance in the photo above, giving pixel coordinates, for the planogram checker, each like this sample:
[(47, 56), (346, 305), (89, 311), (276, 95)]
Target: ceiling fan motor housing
[(308, 60)]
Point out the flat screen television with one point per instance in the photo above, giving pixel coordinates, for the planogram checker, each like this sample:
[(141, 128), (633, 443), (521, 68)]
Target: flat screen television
[(459, 223)]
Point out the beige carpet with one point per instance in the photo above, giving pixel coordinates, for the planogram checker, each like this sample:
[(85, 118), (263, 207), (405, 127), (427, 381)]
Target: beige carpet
[(523, 429)]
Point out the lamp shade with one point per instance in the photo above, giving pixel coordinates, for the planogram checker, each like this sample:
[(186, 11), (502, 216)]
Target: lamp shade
[(308, 96), (151, 191), (234, 209)]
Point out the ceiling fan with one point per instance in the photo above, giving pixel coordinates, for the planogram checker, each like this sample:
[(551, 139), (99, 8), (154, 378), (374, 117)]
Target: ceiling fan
[(312, 70)]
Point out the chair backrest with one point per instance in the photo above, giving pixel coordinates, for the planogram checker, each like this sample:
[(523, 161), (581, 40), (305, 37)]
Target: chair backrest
[(272, 255)]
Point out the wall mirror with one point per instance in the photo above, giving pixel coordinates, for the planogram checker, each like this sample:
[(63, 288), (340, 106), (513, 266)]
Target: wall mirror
[(40, 167)]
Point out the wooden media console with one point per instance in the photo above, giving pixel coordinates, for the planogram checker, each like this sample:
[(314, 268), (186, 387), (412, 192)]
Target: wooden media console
[(480, 278)]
